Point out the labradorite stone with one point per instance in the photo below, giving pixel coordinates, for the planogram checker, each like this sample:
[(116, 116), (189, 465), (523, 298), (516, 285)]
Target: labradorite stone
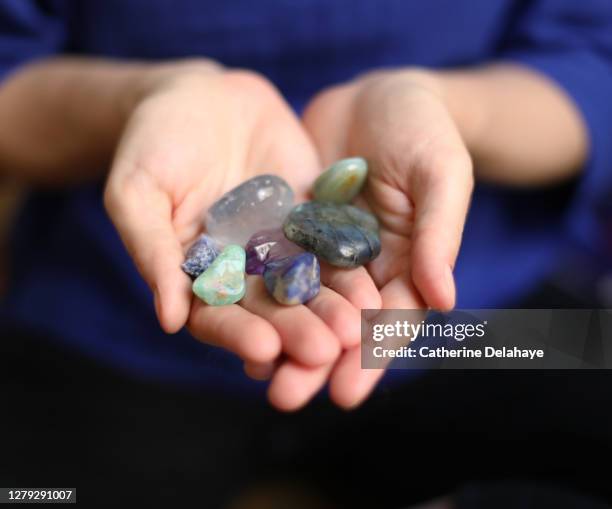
[(224, 281), (258, 204), (199, 256), (293, 280), (342, 235), (342, 181)]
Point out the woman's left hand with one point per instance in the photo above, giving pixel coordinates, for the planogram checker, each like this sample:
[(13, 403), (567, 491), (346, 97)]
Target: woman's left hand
[(419, 187)]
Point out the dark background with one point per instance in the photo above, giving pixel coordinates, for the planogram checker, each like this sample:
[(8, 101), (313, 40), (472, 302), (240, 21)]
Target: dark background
[(489, 439)]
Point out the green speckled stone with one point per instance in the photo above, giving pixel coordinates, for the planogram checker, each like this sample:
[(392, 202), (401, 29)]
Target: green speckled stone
[(223, 282), (342, 181)]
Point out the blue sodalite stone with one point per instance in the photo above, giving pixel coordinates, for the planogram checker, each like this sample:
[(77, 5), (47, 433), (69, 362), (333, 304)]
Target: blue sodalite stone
[(199, 256), (293, 280), (342, 235)]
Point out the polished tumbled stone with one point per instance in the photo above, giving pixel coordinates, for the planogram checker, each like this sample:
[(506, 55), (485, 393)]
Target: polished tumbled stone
[(258, 204), (268, 246), (199, 256), (342, 235), (293, 280), (342, 181), (224, 281)]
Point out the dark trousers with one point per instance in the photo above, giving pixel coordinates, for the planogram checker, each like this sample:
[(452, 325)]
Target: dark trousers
[(66, 421)]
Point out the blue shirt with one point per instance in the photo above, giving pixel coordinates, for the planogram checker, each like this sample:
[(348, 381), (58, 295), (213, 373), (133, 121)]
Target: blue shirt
[(71, 278)]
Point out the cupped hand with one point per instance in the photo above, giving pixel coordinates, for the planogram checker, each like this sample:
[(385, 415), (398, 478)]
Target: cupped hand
[(196, 131), (419, 187)]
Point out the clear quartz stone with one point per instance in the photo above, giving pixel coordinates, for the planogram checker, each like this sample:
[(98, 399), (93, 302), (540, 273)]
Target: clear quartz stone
[(260, 203)]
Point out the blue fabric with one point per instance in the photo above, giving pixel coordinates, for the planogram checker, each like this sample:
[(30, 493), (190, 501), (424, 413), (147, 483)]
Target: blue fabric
[(73, 280)]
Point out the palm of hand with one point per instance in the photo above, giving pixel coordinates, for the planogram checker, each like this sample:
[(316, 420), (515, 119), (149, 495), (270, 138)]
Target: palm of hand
[(419, 183), (419, 187), (193, 147), (191, 142), (181, 151)]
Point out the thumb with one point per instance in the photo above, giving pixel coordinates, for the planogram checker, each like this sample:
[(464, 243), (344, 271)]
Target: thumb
[(441, 197), (143, 217)]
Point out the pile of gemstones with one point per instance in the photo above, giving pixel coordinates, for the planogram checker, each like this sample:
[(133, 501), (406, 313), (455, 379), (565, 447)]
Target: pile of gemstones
[(256, 229)]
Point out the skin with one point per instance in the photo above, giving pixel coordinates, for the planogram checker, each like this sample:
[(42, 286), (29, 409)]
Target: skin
[(177, 136)]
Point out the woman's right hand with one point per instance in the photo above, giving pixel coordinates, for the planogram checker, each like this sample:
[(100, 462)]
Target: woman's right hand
[(196, 131)]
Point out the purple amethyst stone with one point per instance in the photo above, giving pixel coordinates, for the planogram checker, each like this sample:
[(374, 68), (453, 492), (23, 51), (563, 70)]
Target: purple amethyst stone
[(293, 280), (199, 256), (267, 246)]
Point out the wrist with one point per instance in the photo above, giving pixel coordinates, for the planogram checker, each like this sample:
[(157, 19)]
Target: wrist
[(152, 79), (452, 89), (457, 91), (466, 103)]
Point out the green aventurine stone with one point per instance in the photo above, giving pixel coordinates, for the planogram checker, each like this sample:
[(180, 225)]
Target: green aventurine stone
[(223, 282), (342, 181)]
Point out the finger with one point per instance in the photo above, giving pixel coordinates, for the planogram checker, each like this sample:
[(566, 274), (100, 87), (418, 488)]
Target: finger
[(350, 385), (355, 285), (294, 385), (441, 203), (142, 215), (259, 370), (234, 328), (339, 314), (304, 336)]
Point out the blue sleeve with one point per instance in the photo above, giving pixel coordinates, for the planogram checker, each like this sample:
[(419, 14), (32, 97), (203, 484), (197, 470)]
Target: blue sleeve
[(570, 41), (28, 30)]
